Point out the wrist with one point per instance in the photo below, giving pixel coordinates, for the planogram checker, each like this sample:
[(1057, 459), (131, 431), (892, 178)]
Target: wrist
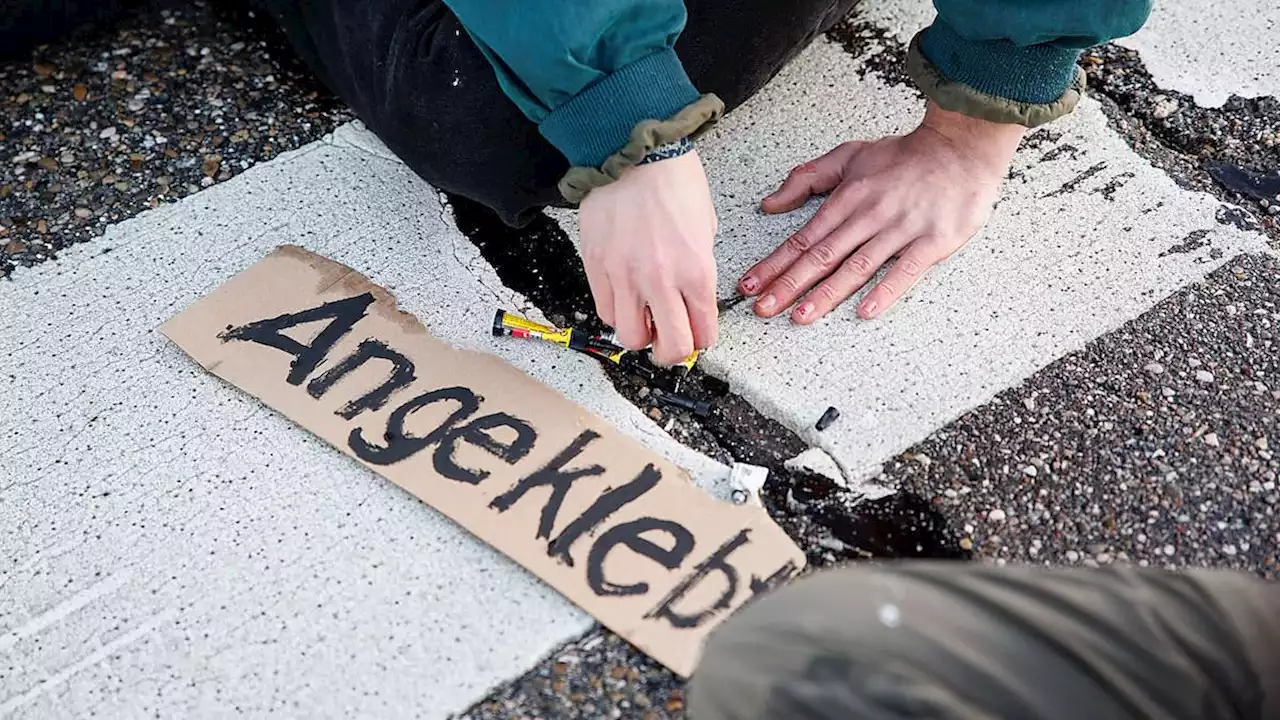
[(991, 143)]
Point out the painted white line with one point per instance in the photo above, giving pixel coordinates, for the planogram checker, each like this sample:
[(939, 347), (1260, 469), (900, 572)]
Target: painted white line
[(1080, 243), (1209, 50), (303, 584), (61, 611), (1213, 50)]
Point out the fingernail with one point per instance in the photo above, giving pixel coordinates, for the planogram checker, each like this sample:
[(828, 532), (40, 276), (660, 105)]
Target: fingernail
[(766, 303), (869, 308), (749, 284), (803, 311)]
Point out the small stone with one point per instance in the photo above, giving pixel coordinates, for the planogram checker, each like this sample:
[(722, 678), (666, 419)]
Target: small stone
[(1154, 368), (212, 163), (1105, 558), (579, 316), (996, 515), (655, 413), (1194, 362), (1237, 270), (1029, 403), (1211, 439), (80, 92), (42, 227), (44, 69), (1232, 310), (966, 544), (644, 392), (48, 163), (1261, 443), (1029, 471), (1230, 550), (14, 247), (206, 182), (1163, 106), (1204, 376), (108, 133), (1273, 210), (84, 213), (1073, 556), (1169, 550), (1167, 392)]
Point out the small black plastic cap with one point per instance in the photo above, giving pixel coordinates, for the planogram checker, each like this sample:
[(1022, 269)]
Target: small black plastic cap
[(828, 417), (498, 329)]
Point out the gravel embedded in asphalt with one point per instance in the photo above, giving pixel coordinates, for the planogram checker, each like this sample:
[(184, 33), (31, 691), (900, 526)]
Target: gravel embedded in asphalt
[(142, 112), (1158, 444)]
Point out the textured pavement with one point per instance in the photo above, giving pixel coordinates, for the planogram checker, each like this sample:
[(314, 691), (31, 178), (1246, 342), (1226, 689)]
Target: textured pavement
[(1111, 396)]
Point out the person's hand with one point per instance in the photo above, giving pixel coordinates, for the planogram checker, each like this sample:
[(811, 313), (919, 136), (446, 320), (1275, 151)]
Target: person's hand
[(920, 197), (646, 244)]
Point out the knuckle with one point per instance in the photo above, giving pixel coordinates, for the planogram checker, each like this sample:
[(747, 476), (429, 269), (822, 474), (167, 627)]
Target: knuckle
[(823, 255), (859, 265), (910, 267), (889, 288), (826, 295), (798, 242), (787, 285)]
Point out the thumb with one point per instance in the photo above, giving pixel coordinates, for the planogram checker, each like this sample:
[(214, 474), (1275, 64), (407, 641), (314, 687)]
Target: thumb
[(812, 178)]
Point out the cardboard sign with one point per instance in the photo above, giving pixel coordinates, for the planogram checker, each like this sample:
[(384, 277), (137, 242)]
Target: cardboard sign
[(612, 526)]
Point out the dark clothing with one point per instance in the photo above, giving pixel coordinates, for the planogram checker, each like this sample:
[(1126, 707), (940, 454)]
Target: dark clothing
[(413, 74), (965, 642)]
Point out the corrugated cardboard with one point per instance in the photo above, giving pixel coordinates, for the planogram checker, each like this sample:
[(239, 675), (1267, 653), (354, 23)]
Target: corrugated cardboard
[(615, 528)]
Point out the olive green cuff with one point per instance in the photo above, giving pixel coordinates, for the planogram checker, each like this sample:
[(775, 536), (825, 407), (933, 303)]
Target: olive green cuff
[(962, 98), (690, 122)]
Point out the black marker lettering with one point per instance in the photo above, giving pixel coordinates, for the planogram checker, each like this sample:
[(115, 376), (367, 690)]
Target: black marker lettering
[(630, 534), (401, 445), (776, 580), (342, 314), (607, 504), (475, 433), (554, 475), (401, 376), (715, 563)]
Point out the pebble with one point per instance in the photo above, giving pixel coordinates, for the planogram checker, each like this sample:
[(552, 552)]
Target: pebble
[(1162, 106), (84, 213), (1167, 392), (966, 544), (1154, 368), (1204, 376), (1169, 550), (1211, 439), (996, 515), (1073, 556), (108, 133), (655, 413), (1029, 471), (1261, 443)]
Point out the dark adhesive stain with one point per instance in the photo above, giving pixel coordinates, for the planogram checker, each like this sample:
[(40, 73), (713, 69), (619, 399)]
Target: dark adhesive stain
[(1065, 149), (1074, 183), (1192, 242), (1237, 218), (1257, 185), (540, 262), (1039, 138), (1108, 191), (880, 51)]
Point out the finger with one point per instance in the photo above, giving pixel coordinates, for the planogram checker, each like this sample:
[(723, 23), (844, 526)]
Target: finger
[(819, 261), (633, 327), (704, 318), (602, 293), (834, 211), (812, 178), (673, 338), (855, 272), (918, 257)]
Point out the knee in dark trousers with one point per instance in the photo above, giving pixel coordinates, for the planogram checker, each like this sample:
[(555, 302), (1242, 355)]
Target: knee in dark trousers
[(950, 640), (413, 74)]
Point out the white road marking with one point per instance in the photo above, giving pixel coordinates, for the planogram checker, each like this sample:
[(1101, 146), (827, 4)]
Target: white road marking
[(1080, 244), (1212, 50), (297, 581)]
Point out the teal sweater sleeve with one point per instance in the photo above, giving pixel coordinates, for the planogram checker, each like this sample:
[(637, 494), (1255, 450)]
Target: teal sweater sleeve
[(1024, 51), (587, 71)]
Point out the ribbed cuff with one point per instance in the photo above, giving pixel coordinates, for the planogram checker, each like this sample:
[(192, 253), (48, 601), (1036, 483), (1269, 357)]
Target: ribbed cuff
[(597, 121), (950, 94), (1022, 73)]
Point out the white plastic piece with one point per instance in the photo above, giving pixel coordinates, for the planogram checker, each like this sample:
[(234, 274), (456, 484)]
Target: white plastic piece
[(816, 460), (747, 481)]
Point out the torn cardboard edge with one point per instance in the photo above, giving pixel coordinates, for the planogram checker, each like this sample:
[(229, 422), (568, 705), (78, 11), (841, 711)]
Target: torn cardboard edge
[(617, 529)]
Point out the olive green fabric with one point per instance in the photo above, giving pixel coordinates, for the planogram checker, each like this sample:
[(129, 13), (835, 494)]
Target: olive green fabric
[(958, 97), (962, 641), (690, 122)]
